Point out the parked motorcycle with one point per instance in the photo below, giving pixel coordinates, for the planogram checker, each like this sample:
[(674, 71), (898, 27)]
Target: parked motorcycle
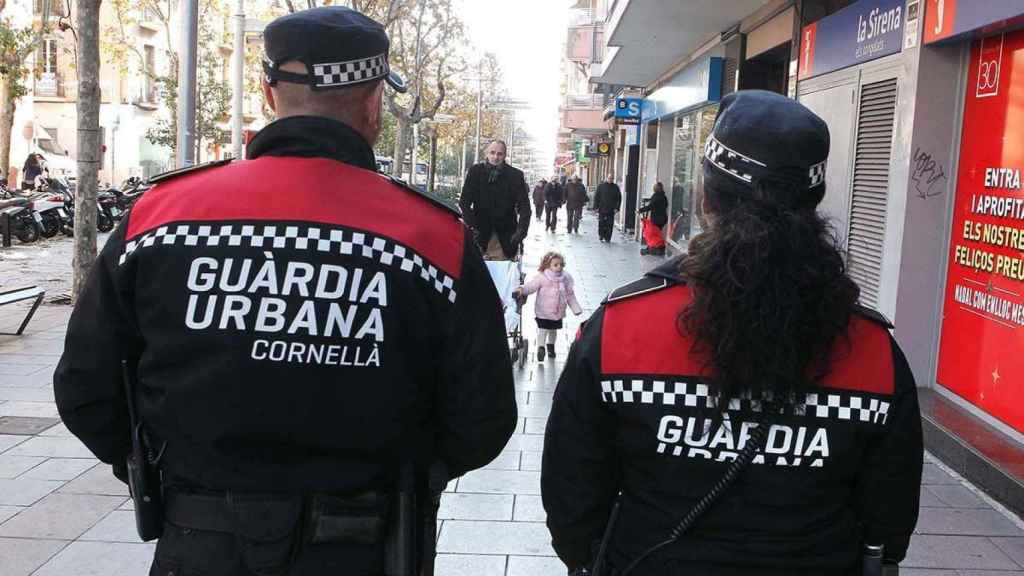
[(104, 219), (125, 197), (24, 220), (52, 212)]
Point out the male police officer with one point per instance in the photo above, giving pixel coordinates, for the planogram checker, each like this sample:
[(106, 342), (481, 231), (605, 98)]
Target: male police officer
[(303, 330)]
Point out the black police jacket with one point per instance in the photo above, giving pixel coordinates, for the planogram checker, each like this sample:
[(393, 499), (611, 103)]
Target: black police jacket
[(496, 205), (632, 414), (297, 322)]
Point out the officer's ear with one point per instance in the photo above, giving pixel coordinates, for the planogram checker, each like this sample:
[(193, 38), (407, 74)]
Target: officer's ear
[(269, 95), (375, 109)]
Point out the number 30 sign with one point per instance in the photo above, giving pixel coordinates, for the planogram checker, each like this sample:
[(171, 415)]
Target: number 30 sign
[(989, 64)]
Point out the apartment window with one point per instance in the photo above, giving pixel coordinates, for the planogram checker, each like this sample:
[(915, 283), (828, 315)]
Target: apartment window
[(49, 56), (56, 7), (150, 14), (47, 83), (148, 84)]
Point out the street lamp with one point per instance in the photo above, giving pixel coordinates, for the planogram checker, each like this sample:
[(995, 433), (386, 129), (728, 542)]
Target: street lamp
[(243, 28)]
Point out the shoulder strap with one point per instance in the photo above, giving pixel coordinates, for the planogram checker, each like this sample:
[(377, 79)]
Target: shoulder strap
[(432, 198), (873, 315), (187, 170)]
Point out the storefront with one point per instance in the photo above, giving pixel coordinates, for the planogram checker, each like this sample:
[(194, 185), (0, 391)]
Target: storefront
[(982, 329), (851, 74), (678, 118)]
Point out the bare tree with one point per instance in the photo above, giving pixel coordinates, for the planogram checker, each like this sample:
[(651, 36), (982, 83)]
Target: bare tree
[(89, 154), (426, 52)]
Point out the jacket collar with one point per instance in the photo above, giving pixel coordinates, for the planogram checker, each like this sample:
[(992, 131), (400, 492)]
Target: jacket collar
[(313, 137)]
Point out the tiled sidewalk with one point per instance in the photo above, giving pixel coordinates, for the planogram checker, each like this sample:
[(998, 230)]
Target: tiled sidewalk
[(63, 513)]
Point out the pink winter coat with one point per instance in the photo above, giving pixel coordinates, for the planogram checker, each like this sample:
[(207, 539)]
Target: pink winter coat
[(554, 293)]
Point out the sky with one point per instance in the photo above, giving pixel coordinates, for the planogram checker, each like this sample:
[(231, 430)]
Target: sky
[(527, 37)]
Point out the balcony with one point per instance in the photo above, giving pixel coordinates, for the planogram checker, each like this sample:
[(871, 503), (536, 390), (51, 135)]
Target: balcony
[(646, 37), (585, 44), (584, 102), (49, 85), (581, 17)]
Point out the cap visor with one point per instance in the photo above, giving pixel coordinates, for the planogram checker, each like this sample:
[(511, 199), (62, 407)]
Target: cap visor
[(396, 82)]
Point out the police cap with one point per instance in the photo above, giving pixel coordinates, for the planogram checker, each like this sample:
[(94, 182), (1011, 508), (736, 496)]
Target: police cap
[(339, 46), (760, 135)]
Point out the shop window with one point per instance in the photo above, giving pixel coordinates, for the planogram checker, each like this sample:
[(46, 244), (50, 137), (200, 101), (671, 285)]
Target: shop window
[(686, 193), (684, 162), (870, 198)]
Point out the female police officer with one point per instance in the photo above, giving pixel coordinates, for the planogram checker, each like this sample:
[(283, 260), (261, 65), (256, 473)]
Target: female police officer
[(752, 347)]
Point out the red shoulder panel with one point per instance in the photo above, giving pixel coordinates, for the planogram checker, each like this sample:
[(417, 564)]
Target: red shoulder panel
[(305, 190), (863, 362), (640, 336)]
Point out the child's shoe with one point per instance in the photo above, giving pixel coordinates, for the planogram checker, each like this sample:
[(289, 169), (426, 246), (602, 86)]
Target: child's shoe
[(551, 350), (540, 353)]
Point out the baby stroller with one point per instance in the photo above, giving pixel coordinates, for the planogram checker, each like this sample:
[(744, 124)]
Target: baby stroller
[(507, 276)]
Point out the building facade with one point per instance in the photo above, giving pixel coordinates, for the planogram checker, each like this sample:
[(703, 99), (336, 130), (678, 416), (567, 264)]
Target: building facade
[(138, 44)]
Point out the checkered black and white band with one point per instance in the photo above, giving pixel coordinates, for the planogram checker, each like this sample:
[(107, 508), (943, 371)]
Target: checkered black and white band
[(745, 168), (271, 236), (350, 72), (696, 395)]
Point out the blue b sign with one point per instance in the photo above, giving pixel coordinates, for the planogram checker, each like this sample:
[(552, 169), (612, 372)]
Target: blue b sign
[(627, 111)]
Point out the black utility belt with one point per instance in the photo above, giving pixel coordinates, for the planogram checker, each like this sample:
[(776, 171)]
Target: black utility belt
[(359, 519)]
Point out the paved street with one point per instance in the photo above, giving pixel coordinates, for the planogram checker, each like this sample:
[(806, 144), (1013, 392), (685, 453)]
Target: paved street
[(62, 513)]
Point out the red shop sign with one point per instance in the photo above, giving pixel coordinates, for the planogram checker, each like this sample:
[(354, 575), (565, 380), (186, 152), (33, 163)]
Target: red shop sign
[(981, 356)]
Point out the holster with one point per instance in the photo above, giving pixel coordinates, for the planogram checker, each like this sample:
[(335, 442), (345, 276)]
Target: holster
[(146, 489)]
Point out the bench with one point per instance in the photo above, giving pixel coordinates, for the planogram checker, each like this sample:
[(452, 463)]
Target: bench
[(19, 295)]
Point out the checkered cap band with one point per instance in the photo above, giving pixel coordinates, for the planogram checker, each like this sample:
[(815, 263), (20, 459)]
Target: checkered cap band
[(745, 169), (313, 238), (836, 406), (334, 74)]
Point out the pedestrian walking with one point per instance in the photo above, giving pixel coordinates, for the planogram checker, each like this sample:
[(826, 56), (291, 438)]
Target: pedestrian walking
[(608, 200), (554, 289), (538, 199), (309, 349), (495, 204), (736, 411), (656, 210), (32, 169), (554, 197), (575, 199)]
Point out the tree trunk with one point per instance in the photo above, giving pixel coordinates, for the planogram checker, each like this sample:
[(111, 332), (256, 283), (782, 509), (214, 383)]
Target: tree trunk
[(88, 20), (7, 108), (433, 160), (401, 125)]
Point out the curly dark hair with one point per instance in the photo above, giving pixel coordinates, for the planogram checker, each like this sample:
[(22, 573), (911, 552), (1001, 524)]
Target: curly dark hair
[(770, 291)]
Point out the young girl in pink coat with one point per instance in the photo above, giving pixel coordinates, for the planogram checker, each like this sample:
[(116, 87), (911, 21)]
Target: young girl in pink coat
[(554, 288)]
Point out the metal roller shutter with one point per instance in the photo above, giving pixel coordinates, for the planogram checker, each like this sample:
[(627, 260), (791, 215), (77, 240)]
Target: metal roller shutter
[(875, 124)]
